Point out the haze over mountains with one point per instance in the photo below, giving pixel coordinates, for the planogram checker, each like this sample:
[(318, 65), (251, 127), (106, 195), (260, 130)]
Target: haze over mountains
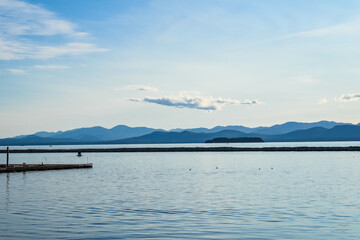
[(121, 134)]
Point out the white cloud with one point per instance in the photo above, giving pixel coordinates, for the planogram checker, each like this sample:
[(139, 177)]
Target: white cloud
[(197, 102), (46, 67), (16, 71), (189, 100), (349, 97), (141, 88), (19, 20), (322, 101)]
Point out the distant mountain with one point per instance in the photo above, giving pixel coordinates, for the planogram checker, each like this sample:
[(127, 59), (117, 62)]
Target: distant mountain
[(214, 129), (178, 137), (294, 126), (290, 131), (98, 133), (337, 133), (233, 127), (48, 134), (276, 129)]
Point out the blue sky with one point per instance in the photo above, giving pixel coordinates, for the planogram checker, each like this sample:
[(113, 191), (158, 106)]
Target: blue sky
[(166, 64)]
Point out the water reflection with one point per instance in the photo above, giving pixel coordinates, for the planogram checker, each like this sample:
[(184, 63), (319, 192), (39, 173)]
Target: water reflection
[(7, 190)]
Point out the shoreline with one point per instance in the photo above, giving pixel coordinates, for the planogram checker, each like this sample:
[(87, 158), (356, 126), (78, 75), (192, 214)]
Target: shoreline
[(189, 149)]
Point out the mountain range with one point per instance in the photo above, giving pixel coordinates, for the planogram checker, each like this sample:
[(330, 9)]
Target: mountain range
[(121, 134)]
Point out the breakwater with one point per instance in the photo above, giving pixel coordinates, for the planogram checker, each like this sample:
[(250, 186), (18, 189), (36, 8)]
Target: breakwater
[(40, 167), (189, 149)]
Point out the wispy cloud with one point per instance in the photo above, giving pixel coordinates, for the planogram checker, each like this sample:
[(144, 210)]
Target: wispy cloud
[(47, 67), (141, 88), (338, 29), (16, 50), (16, 71), (20, 20), (45, 52), (348, 97)]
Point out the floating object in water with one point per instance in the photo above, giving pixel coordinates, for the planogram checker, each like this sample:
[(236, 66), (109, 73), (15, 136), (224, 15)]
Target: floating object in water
[(217, 168), (79, 154), (189, 169)]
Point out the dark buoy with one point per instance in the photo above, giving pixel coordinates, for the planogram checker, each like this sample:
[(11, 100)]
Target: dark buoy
[(79, 154)]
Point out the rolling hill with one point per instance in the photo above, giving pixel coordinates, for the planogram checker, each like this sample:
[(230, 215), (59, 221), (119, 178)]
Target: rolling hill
[(178, 137)]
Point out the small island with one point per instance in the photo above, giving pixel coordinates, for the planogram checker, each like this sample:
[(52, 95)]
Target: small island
[(235, 140)]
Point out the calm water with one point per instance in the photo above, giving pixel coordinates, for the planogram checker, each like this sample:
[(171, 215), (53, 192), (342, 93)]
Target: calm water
[(154, 195), (265, 144)]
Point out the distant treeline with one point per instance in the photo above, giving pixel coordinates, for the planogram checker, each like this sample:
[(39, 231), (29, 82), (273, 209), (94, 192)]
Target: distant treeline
[(235, 140)]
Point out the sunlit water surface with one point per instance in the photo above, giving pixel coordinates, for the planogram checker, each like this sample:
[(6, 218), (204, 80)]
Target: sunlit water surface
[(289, 195)]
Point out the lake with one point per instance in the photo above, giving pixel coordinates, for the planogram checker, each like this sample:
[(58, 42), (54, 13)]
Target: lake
[(227, 195)]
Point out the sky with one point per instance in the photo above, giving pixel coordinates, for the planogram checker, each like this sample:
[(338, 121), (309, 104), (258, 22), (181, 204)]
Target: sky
[(68, 64)]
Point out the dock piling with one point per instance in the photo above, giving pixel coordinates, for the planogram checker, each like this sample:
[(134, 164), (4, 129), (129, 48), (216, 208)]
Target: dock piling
[(7, 156)]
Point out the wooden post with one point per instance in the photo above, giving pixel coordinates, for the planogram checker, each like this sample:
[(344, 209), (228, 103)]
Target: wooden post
[(7, 156)]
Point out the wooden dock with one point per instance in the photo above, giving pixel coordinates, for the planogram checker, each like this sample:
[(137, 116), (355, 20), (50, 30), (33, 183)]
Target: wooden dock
[(40, 167)]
